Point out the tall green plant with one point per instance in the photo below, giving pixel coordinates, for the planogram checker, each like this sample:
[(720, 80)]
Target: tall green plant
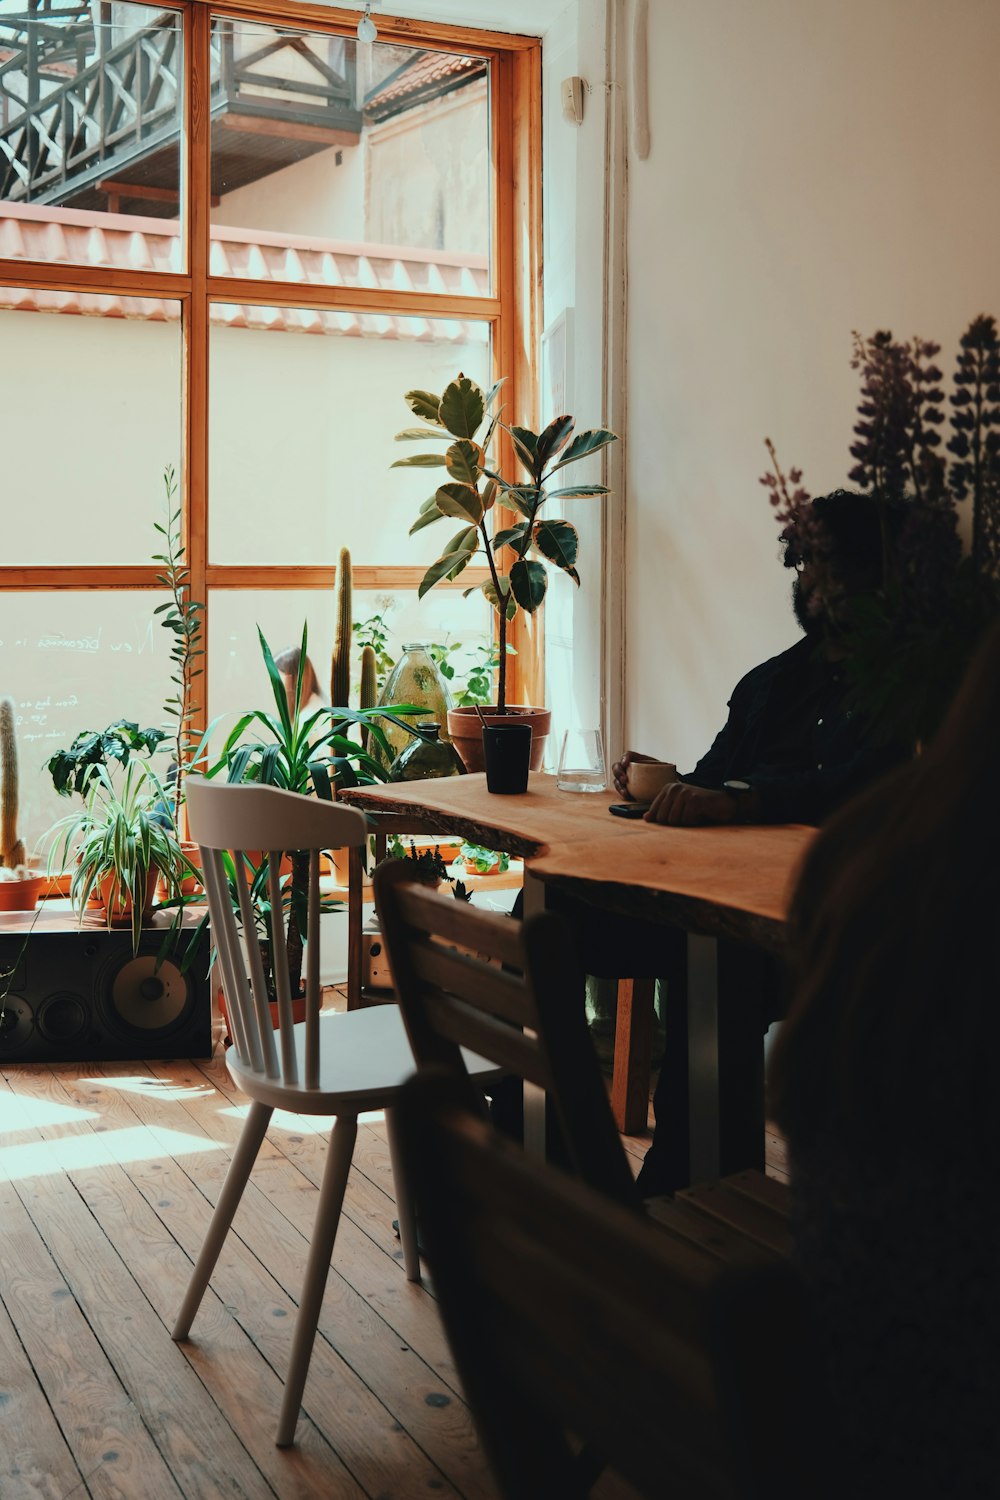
[(302, 752), (465, 419), (340, 669), (183, 617)]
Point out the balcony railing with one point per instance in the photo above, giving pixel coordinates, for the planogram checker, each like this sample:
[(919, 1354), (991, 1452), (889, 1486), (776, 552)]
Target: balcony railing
[(115, 123)]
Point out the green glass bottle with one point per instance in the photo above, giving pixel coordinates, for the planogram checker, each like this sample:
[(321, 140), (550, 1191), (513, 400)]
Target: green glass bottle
[(426, 755), (414, 679)]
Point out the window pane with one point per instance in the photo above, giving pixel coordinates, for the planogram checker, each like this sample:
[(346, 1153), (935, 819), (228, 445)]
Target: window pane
[(76, 661), (302, 432), (462, 627), (90, 118), (349, 165), (238, 680), (91, 409)]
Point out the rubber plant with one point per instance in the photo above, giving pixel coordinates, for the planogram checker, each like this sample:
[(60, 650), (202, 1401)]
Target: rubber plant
[(467, 421)]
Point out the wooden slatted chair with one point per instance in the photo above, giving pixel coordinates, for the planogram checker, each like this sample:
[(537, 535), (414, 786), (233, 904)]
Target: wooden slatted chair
[(512, 992), (334, 1064), (571, 1319)]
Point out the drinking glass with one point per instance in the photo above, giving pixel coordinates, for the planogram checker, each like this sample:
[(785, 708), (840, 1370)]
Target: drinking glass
[(581, 762)]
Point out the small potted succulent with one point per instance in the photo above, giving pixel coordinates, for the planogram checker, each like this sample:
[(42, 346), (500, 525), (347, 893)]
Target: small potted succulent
[(480, 861), (465, 419)]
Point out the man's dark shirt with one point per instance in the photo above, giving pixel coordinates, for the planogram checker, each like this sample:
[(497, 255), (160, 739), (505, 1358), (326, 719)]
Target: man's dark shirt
[(793, 736)]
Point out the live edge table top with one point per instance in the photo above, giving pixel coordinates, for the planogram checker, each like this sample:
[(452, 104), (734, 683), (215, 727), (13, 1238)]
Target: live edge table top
[(734, 880)]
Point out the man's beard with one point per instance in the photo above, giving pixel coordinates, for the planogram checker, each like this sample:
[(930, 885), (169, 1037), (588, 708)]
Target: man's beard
[(811, 621)]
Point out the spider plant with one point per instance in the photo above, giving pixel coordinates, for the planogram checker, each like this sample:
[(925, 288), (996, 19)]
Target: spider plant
[(123, 841)]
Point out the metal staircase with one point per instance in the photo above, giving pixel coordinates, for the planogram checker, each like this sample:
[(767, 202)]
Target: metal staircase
[(90, 117)]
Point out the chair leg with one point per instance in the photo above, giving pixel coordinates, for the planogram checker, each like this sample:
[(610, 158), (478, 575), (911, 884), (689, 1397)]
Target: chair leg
[(240, 1167), (331, 1197), (404, 1200)]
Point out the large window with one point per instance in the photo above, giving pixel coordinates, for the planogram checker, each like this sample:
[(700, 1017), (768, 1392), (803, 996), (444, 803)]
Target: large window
[(229, 245)]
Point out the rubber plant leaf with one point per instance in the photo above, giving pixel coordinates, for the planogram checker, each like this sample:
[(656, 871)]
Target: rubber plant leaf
[(555, 436), (463, 460), (460, 500), (528, 582), (425, 406), (560, 543), (511, 534), (462, 408), (420, 461), (429, 513), (578, 492), (585, 443), (448, 566)]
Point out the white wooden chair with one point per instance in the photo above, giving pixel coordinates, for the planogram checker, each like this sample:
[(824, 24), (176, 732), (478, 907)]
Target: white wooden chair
[(337, 1064)]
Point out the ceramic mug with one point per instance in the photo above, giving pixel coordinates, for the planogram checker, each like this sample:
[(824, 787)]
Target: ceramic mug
[(646, 778)]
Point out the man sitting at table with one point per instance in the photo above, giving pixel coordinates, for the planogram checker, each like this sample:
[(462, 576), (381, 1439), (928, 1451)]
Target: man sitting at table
[(792, 750)]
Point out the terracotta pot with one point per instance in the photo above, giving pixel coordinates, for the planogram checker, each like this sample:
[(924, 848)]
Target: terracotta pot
[(256, 858), (466, 730), (21, 895), (118, 903), (190, 885), (298, 1013), (471, 868)]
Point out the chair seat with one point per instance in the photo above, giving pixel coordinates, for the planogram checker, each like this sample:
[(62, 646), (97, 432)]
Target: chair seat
[(365, 1058)]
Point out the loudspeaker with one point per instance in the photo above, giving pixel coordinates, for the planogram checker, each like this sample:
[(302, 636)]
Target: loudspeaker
[(84, 996)]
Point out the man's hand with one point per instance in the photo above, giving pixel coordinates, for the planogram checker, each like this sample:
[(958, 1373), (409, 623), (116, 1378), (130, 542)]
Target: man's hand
[(683, 806), (620, 771)]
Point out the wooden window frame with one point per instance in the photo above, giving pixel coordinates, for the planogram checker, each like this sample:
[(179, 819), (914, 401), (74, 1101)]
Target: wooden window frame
[(512, 309)]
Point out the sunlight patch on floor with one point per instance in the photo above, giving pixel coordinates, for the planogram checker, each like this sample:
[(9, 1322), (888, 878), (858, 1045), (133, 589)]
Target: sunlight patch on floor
[(303, 1124), (76, 1153), (20, 1112), (157, 1088)]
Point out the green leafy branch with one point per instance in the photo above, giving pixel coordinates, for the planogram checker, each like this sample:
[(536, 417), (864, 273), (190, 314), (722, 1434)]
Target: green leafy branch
[(183, 617)]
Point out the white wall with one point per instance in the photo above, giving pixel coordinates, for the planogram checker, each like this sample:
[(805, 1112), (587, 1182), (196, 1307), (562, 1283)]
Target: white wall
[(573, 234), (815, 168)]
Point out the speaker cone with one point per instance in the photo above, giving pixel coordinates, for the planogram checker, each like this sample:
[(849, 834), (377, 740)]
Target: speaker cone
[(145, 997), (16, 1022), (62, 1017)]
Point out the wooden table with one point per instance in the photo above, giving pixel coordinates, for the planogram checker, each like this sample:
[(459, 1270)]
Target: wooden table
[(727, 888)]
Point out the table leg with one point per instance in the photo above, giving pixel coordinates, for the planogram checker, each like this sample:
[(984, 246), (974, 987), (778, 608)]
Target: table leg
[(730, 995), (355, 878), (702, 1144), (633, 1050), (534, 1097)]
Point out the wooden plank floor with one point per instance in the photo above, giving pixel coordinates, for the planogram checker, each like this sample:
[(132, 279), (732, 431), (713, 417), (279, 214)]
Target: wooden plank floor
[(108, 1175)]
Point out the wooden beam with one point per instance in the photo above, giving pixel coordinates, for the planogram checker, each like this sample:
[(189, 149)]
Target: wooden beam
[(366, 576), (289, 576), (468, 40), (196, 153), (145, 193), (352, 299), (292, 130)]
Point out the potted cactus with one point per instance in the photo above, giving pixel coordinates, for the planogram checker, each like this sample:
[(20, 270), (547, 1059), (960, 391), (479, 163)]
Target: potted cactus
[(20, 887), (464, 418)]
